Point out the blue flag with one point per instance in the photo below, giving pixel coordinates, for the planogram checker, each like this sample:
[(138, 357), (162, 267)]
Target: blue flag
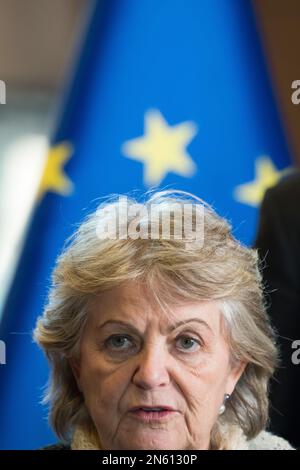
[(166, 94)]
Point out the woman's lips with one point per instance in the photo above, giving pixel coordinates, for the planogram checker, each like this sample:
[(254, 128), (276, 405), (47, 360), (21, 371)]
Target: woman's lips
[(151, 415)]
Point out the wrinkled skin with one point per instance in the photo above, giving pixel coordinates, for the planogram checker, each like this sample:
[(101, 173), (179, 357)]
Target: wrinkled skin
[(152, 363)]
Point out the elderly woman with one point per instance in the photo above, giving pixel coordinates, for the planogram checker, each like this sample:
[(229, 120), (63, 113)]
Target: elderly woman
[(156, 332)]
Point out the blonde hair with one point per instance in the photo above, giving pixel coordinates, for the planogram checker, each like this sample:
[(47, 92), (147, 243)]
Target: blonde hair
[(220, 269)]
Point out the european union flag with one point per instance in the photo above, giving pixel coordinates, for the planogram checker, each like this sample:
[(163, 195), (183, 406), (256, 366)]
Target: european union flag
[(167, 93)]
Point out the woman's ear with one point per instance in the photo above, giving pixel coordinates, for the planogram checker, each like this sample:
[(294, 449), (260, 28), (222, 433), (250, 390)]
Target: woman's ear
[(234, 375), (75, 367)]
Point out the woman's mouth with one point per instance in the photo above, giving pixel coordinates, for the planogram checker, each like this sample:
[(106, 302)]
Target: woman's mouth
[(152, 414)]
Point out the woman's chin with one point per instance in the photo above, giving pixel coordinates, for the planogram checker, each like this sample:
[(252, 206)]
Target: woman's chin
[(150, 444), (145, 446)]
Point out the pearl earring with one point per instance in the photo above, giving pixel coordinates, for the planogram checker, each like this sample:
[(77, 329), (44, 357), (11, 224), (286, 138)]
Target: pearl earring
[(222, 407)]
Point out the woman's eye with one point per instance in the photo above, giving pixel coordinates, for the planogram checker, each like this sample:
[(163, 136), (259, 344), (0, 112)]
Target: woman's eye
[(119, 342), (188, 343)]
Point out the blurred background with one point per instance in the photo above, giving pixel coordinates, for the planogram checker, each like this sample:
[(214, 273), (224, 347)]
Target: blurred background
[(38, 41), (81, 75)]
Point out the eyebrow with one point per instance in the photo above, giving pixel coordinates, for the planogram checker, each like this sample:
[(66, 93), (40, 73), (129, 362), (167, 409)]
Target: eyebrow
[(171, 328)]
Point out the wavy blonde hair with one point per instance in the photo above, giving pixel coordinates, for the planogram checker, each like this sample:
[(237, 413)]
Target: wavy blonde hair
[(221, 269)]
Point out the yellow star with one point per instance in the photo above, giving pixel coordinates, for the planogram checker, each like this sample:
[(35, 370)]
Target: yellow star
[(162, 149), (266, 175), (54, 179)]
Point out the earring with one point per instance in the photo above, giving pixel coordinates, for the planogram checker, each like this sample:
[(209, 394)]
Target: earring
[(222, 407)]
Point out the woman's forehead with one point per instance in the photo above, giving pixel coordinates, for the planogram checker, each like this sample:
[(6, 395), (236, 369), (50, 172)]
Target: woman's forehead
[(133, 303)]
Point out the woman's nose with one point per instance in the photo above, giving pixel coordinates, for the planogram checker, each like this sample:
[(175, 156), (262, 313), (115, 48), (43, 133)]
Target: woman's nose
[(152, 367)]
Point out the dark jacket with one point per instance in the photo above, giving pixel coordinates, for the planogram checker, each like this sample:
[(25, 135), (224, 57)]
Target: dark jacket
[(278, 241)]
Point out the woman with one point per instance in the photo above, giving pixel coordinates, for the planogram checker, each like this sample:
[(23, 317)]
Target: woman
[(156, 332)]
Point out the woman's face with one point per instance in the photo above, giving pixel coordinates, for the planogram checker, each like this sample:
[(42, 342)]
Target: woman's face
[(134, 356)]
